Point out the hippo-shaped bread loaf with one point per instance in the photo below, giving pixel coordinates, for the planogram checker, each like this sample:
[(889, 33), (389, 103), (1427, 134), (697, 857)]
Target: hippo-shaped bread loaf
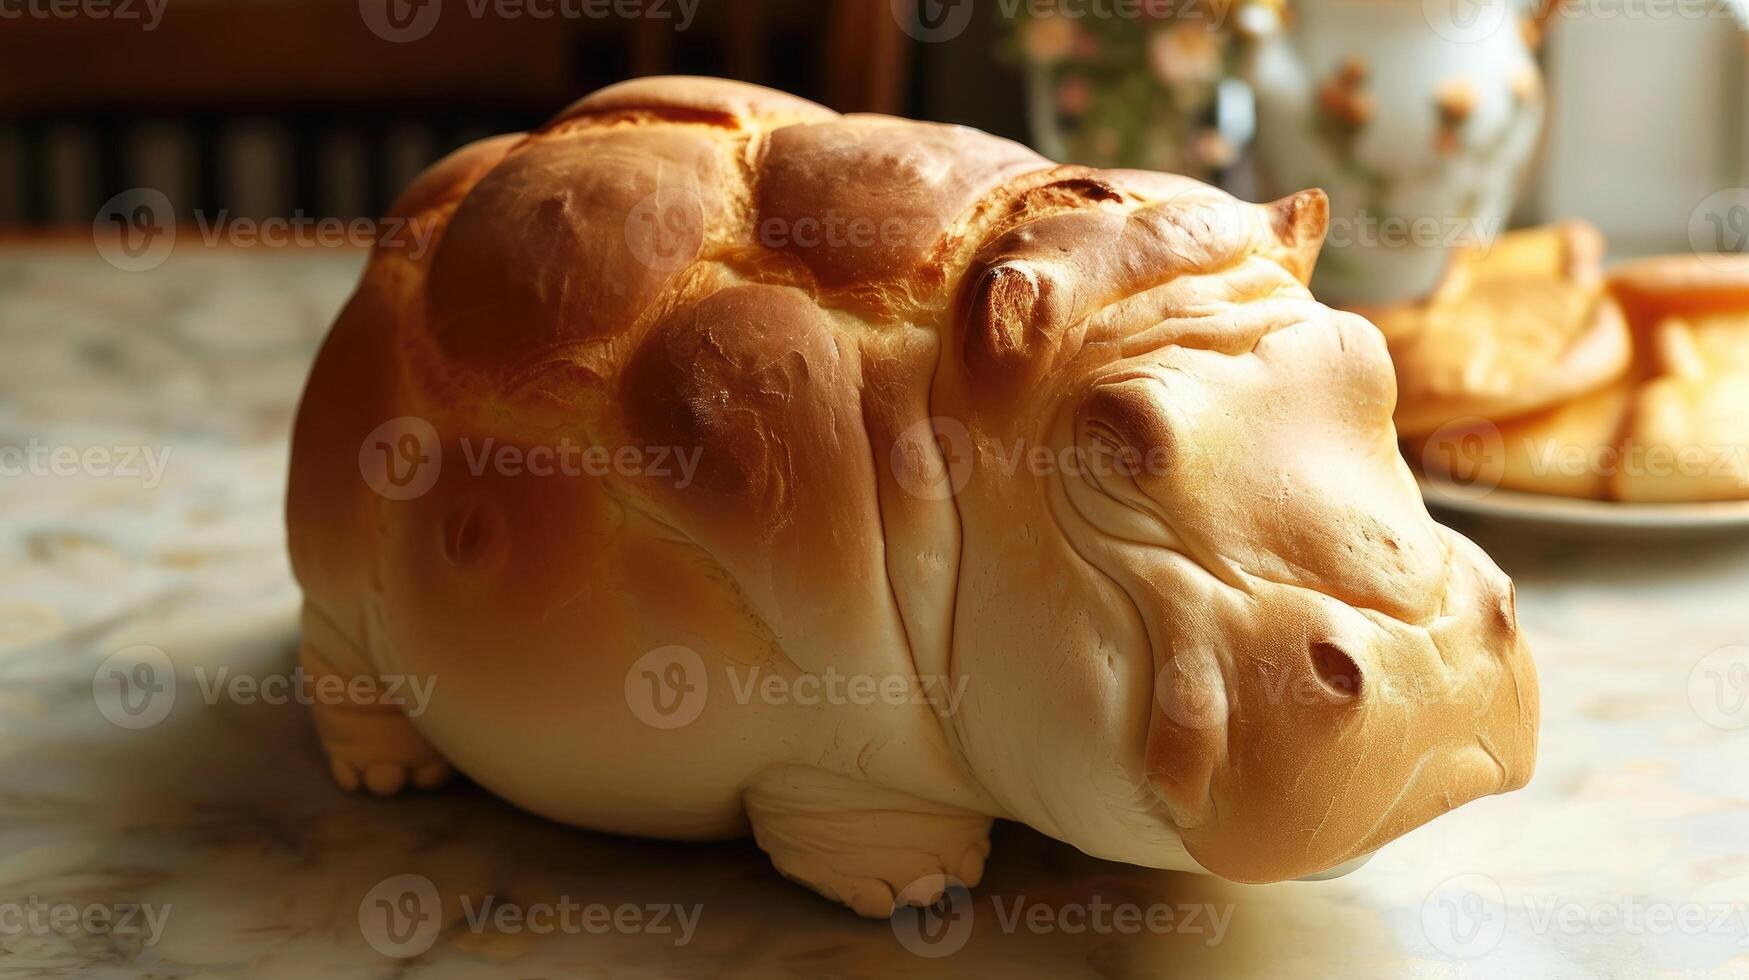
[(727, 465)]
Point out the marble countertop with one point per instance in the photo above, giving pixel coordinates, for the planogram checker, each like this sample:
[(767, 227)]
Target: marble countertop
[(212, 844)]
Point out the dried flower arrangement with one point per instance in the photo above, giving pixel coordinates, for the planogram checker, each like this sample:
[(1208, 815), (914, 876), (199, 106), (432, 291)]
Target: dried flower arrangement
[(1127, 91)]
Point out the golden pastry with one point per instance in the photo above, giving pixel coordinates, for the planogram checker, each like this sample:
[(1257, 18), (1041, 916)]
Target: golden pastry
[(1512, 330), (1569, 450), (1090, 514)]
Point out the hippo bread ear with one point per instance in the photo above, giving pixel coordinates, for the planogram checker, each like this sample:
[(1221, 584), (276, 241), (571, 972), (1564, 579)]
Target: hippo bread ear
[(1300, 222), (1007, 322)]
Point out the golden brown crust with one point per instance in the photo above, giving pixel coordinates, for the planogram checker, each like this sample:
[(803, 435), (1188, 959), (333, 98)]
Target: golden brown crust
[(526, 265), (1655, 289), (445, 182), (1652, 289), (1673, 428), (1522, 327), (864, 199), (1038, 287), (713, 101), (612, 280), (1687, 435)]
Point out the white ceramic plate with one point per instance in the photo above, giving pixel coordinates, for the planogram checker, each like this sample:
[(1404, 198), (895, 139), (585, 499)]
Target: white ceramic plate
[(1571, 515)]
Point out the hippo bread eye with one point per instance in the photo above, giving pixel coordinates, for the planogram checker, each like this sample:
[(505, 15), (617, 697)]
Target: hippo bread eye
[(1336, 670)]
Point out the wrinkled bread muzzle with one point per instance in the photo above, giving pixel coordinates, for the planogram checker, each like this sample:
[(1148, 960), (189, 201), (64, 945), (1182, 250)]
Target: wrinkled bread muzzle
[(1333, 667)]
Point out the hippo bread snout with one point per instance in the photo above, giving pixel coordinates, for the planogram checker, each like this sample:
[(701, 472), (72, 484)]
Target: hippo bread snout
[(726, 466)]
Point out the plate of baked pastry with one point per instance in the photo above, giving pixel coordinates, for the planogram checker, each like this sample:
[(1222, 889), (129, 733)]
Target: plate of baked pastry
[(1609, 518), (1536, 387)]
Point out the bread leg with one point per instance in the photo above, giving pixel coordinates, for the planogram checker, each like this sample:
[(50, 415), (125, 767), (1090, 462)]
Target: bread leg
[(872, 849), (364, 727)]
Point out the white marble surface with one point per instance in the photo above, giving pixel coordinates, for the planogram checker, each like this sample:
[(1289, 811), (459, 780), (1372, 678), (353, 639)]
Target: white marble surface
[(1627, 856)]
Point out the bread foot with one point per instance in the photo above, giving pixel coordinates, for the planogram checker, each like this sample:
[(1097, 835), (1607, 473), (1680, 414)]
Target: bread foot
[(872, 849), (370, 742)]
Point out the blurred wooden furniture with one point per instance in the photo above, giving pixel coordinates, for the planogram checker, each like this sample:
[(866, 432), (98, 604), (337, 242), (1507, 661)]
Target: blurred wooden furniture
[(285, 106)]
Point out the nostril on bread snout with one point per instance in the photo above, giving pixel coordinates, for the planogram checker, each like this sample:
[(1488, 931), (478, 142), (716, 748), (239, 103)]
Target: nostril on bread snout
[(471, 533), (1336, 670)]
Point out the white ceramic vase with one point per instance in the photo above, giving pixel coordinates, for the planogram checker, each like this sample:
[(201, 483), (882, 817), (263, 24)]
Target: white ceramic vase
[(1417, 116)]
